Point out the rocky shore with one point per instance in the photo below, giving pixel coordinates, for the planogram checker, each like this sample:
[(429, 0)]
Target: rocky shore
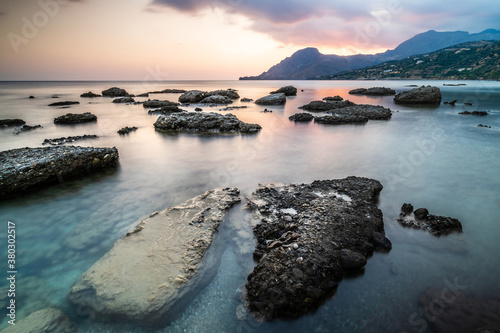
[(27, 168), (153, 271), (308, 238)]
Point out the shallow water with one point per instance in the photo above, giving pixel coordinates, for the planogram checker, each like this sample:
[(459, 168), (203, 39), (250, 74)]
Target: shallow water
[(430, 157)]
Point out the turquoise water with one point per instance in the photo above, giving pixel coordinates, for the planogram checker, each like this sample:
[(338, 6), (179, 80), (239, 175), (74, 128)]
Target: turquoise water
[(431, 157)]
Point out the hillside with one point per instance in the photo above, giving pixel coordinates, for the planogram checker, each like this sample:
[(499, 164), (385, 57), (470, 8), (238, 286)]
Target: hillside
[(466, 61), (309, 62)]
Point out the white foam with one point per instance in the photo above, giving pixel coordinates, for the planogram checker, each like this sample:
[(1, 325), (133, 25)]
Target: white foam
[(290, 211)]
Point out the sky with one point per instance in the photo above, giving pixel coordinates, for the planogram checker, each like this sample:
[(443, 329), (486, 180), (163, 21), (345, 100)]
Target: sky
[(157, 40)]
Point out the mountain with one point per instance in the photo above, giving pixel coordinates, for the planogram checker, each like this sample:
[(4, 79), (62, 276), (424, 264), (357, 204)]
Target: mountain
[(310, 63), (467, 61)]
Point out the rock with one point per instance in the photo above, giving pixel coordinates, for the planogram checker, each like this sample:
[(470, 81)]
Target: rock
[(90, 94), (75, 118), (54, 96), (115, 92), (192, 96), (468, 104), (452, 103), (69, 139), (11, 122), (421, 219), (371, 112), (341, 119), (351, 260), (230, 108), (326, 106), (288, 91), (127, 130), (246, 100), (169, 91), (422, 95), (198, 109), (381, 242), (216, 99), (124, 100), (47, 320), (156, 269), (229, 93), (485, 126), (336, 98), (328, 216), (27, 168), (158, 104), (267, 111), (204, 123), (474, 113), (31, 97), (450, 310), (26, 128), (273, 99), (302, 117), (375, 91), (64, 103), (143, 95), (166, 110)]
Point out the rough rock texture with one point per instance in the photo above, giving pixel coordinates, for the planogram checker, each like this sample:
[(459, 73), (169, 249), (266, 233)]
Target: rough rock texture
[(65, 103), (158, 104), (75, 118), (126, 130), (204, 122), (246, 100), (288, 91), (273, 99), (216, 99), (482, 125), (375, 91), (43, 321), (153, 271), (306, 232), (474, 113), (27, 168), (229, 93), (302, 117), (11, 122), (421, 219), (341, 119), (450, 310), (421, 95), (371, 112), (166, 110), (124, 100), (90, 94), (69, 139), (192, 96), (325, 106), (115, 92), (333, 98), (26, 128), (167, 91)]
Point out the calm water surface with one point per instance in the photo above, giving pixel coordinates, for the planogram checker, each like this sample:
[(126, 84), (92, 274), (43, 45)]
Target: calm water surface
[(430, 157)]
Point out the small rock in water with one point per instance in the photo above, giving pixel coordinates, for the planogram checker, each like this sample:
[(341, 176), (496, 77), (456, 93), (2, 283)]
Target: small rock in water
[(127, 130), (27, 128), (421, 219)]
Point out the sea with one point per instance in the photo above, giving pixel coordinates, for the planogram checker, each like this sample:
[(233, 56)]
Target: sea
[(430, 157)]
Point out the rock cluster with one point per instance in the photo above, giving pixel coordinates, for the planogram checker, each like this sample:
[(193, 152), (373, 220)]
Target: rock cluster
[(422, 95), (75, 118), (356, 114), (212, 97), (375, 91), (474, 113), (421, 219)]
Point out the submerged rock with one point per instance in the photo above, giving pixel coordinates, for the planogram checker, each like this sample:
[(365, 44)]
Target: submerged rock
[(47, 320), (27, 168), (421, 95), (273, 99), (302, 117), (115, 92), (333, 98), (69, 139), (288, 91), (121, 100), (326, 106), (90, 94), (309, 235), (474, 113), (204, 122), (65, 103), (166, 110), (216, 99), (421, 219), (374, 91), (75, 118), (341, 119), (156, 269), (26, 128), (11, 122), (158, 104), (127, 130), (371, 112), (246, 100)]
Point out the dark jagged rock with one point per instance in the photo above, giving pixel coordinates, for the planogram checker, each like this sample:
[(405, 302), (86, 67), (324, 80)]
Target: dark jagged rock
[(158, 104), (374, 91), (474, 113), (452, 103), (485, 126), (75, 118), (421, 219), (27, 128), (317, 106), (126, 130), (69, 139), (166, 110), (288, 91), (451, 310), (422, 95), (273, 99), (198, 96), (341, 119), (47, 320), (27, 168), (204, 123), (333, 98), (246, 100), (155, 270), (121, 100), (193, 96), (304, 235), (216, 99), (11, 122), (302, 117), (371, 112), (65, 103), (229, 93), (90, 94), (115, 92)]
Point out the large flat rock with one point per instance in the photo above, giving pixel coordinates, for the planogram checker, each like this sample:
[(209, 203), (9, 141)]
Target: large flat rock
[(24, 169), (152, 272), (308, 237)]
